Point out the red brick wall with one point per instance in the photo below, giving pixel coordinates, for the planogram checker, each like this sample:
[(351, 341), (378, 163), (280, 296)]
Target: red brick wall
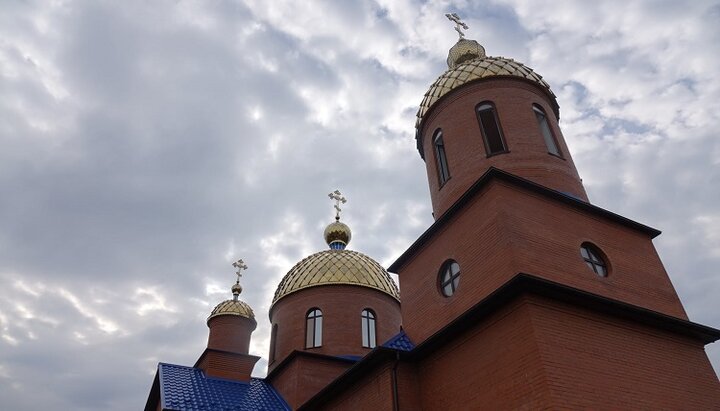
[(227, 365), (592, 361), (230, 333), (373, 393), (496, 365), (304, 377), (506, 230), (467, 159), (341, 306)]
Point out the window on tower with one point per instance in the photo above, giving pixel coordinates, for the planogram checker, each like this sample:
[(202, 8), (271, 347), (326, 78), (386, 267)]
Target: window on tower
[(594, 259), (273, 342), (449, 278), (313, 331), (549, 137), (368, 328), (442, 164), (490, 128)]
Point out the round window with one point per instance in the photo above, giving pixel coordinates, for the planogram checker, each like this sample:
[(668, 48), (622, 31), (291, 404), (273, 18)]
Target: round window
[(449, 278), (593, 258)]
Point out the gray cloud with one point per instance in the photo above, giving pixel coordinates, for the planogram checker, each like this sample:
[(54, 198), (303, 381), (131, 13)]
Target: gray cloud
[(146, 146)]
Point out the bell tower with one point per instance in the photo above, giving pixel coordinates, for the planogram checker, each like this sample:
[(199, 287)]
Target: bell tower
[(559, 303), (488, 112)]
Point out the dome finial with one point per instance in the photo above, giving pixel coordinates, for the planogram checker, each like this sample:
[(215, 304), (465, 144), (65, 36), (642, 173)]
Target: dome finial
[(335, 195), (464, 50), (236, 288), (459, 24), (337, 234)]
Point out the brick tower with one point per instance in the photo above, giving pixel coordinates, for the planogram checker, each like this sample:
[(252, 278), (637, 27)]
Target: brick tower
[(331, 309), (231, 324), (550, 301)]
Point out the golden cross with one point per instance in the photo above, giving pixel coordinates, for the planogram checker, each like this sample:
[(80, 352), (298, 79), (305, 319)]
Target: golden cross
[(335, 195), (240, 265), (458, 23)]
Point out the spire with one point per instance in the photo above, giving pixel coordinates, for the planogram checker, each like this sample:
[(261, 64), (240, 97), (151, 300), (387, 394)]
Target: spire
[(337, 235), (464, 50)]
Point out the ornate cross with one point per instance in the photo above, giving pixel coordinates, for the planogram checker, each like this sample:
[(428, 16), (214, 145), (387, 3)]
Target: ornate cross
[(240, 265), (459, 25), (335, 195)]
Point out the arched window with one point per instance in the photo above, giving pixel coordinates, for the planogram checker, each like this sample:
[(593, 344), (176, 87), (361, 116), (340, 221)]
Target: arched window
[(313, 331), (273, 342), (594, 259), (490, 127), (368, 328), (449, 278), (549, 137), (442, 164)]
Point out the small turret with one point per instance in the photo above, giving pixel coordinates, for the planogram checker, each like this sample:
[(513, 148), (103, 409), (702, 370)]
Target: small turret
[(231, 325)]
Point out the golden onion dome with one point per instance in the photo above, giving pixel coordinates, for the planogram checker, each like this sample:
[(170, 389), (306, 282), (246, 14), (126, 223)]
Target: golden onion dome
[(337, 232), (232, 307), (331, 267), (467, 62)]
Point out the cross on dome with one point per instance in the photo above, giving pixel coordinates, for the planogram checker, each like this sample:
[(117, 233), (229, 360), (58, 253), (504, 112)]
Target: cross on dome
[(335, 195), (459, 24), (236, 288)]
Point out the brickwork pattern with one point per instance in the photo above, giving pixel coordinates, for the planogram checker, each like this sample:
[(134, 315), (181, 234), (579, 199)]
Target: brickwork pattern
[(538, 236), (341, 307), (304, 377), (528, 156), (230, 333)]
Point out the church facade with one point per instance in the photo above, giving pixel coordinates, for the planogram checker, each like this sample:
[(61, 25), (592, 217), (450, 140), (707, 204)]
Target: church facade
[(521, 295)]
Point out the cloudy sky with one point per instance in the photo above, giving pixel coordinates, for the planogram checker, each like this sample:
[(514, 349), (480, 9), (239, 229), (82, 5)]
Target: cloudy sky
[(144, 146)]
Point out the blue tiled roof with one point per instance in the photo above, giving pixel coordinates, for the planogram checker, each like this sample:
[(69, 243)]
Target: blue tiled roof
[(187, 388), (400, 342)]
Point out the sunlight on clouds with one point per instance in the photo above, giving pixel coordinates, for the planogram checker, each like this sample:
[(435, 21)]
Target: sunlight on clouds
[(152, 301), (104, 324), (255, 113), (21, 286)]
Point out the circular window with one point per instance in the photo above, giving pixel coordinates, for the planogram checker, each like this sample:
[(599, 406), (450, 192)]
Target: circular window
[(593, 258), (449, 278)]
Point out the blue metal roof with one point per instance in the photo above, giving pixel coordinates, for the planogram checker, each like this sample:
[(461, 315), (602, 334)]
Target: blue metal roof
[(400, 342), (187, 388)]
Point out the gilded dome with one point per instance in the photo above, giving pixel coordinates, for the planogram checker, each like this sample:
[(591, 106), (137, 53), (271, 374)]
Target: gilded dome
[(232, 307), (336, 267)]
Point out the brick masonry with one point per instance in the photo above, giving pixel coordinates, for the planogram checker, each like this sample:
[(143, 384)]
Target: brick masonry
[(341, 306), (527, 157)]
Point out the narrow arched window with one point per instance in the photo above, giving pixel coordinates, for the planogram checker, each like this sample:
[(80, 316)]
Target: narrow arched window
[(490, 128), (549, 137), (273, 342), (313, 331), (442, 164), (368, 328)]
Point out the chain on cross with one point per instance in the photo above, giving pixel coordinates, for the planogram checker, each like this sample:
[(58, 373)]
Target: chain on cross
[(240, 265), (335, 195), (459, 25)]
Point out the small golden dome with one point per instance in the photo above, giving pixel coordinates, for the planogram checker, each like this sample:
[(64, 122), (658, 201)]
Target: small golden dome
[(463, 51), (331, 267), (337, 231), (232, 307)]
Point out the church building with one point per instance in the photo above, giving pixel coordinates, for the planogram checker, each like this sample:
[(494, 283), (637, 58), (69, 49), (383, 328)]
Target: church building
[(521, 295)]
